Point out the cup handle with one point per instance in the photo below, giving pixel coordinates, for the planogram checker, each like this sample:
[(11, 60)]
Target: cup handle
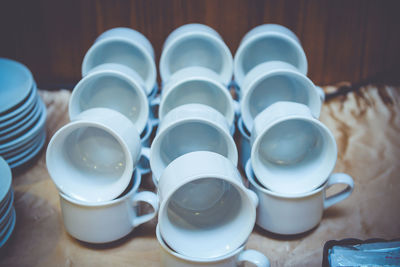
[(154, 122), (145, 154), (247, 168), (232, 129), (253, 196), (150, 198), (154, 103), (255, 257), (339, 178), (153, 92), (321, 93), (236, 106)]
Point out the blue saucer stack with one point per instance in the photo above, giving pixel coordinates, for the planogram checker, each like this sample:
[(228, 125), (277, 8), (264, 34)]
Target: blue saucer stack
[(22, 114), (7, 211)]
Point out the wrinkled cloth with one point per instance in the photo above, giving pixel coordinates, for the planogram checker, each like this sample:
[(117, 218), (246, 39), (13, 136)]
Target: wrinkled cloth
[(366, 125)]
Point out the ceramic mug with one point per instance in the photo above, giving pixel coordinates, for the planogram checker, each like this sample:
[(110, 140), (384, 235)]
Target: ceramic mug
[(205, 210), (274, 81), (295, 214), (291, 151), (107, 221), (112, 86), (268, 42), (197, 85), (126, 47), (92, 158), (187, 128), (196, 45), (170, 258)]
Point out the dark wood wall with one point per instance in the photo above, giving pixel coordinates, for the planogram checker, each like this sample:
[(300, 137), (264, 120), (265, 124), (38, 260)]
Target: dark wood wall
[(343, 39)]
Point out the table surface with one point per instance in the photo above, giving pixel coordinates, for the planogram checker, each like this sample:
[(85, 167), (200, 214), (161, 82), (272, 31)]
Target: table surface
[(366, 125)]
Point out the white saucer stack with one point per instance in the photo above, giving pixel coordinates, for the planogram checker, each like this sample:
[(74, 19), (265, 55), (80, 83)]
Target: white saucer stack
[(7, 211), (22, 114)]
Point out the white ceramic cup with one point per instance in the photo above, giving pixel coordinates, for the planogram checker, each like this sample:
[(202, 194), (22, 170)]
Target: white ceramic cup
[(291, 151), (268, 42), (188, 128), (196, 45), (295, 214), (205, 210), (197, 85), (127, 47), (274, 81), (112, 86), (92, 158), (170, 258), (107, 221)]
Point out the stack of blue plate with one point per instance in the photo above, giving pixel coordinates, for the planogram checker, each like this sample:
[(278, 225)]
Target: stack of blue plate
[(7, 211), (22, 114)]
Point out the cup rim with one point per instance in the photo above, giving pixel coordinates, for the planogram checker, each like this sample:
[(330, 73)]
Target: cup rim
[(242, 129), (83, 123), (255, 145), (252, 85), (226, 71), (170, 251), (137, 180), (125, 30), (238, 71), (149, 83), (255, 183), (232, 156), (229, 116), (99, 73), (196, 177)]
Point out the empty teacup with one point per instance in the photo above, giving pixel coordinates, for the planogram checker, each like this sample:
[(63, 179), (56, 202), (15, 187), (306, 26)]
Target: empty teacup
[(268, 42), (92, 158), (291, 151), (205, 211), (196, 45), (197, 85), (188, 128), (112, 86), (107, 221), (127, 47), (274, 81), (293, 214), (170, 258)]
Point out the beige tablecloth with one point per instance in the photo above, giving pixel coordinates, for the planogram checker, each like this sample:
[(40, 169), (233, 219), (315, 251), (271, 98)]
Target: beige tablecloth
[(366, 125)]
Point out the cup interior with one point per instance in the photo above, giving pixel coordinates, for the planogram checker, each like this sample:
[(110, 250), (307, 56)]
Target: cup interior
[(279, 87), (197, 91), (294, 155), (201, 216), (122, 52), (111, 91), (190, 136), (87, 161), (195, 51), (269, 48)]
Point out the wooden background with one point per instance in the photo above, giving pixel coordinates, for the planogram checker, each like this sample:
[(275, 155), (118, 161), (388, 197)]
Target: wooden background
[(344, 40)]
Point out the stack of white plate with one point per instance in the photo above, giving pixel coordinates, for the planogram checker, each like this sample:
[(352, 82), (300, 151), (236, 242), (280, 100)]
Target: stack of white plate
[(22, 114), (7, 211)]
